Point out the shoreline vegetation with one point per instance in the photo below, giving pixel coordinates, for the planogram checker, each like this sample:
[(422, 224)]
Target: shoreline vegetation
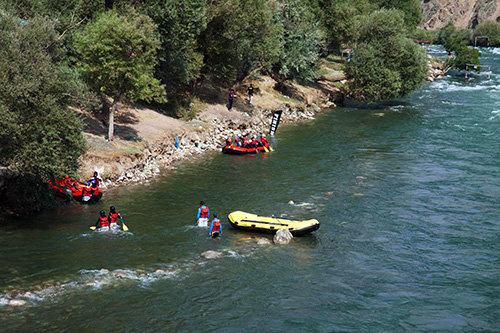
[(107, 86)]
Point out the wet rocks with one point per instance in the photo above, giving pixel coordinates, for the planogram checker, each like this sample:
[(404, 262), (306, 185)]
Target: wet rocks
[(263, 241), (212, 254), (283, 236), (17, 302)]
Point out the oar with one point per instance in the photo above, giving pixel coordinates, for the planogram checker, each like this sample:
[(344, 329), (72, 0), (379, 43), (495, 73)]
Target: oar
[(271, 148), (92, 227), (265, 149), (124, 227)]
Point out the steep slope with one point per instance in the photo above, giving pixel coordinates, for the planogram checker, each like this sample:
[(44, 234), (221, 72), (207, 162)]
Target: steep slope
[(464, 13)]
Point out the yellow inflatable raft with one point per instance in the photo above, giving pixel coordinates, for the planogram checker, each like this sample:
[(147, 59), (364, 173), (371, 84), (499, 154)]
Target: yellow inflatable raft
[(251, 222)]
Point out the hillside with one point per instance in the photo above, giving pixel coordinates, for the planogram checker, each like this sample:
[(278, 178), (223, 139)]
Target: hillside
[(464, 13)]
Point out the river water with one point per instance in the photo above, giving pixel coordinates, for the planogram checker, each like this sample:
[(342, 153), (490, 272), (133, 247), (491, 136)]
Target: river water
[(407, 193)]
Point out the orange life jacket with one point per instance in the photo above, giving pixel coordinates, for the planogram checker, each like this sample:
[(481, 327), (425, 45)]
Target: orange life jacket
[(216, 227), (204, 211), (103, 221), (87, 191), (95, 190), (113, 217)]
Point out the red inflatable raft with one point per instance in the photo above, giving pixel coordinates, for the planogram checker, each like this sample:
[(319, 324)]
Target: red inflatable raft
[(235, 150), (75, 190)]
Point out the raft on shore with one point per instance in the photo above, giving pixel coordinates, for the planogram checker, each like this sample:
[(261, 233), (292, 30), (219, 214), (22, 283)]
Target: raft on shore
[(270, 224)]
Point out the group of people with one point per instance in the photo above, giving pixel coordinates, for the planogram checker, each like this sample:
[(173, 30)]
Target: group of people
[(91, 191), (203, 217), (243, 141), (109, 221)]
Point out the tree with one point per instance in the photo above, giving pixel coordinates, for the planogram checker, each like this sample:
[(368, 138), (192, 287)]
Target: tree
[(491, 29), (455, 43), (385, 64), (40, 138), (410, 9), (117, 55), (300, 42)]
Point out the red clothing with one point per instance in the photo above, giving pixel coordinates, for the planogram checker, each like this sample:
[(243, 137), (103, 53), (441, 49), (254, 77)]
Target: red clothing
[(113, 217), (204, 211), (103, 222)]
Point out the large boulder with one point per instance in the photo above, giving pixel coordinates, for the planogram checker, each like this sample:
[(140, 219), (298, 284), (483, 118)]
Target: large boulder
[(283, 236), (212, 254)]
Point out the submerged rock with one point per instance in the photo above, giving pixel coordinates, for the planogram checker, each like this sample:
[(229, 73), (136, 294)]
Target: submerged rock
[(263, 241), (17, 302), (212, 254), (283, 236), (291, 202)]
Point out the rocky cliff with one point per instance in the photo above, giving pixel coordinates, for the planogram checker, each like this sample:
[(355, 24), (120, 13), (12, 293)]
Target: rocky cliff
[(463, 13)]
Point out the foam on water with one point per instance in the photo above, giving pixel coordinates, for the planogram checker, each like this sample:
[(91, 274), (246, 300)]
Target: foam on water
[(495, 114)]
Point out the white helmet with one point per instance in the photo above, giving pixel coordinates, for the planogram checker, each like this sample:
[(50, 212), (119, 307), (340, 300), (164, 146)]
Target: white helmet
[(263, 135)]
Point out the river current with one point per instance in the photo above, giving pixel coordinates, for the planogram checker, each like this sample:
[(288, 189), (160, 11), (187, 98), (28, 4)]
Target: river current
[(407, 193)]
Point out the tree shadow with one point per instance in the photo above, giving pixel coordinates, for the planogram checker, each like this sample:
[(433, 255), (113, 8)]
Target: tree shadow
[(97, 124)]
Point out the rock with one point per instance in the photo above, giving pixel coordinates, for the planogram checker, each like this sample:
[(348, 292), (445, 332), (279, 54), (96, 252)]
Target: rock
[(159, 271), (17, 302), (263, 241), (104, 270), (121, 275), (291, 202), (212, 254), (283, 236)]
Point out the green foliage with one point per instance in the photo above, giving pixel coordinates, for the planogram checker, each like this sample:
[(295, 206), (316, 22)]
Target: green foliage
[(39, 137), (424, 34), (118, 53), (179, 22), (341, 20), (386, 64), (490, 29), (240, 36), (410, 8), (455, 43), (300, 41)]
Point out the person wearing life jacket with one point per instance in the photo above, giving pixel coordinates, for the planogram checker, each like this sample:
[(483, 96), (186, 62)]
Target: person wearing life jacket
[(245, 141), (87, 192), (96, 178), (113, 217), (216, 227), (96, 195), (228, 141), (254, 142), (239, 141), (102, 221), (263, 139), (203, 215)]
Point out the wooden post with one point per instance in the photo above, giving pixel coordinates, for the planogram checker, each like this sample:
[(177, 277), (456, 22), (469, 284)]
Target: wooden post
[(466, 68)]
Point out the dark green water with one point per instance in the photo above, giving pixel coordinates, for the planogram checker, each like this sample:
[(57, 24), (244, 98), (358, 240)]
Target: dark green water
[(409, 237)]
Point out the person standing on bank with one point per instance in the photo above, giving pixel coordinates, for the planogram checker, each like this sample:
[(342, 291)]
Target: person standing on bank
[(203, 215), (232, 95), (216, 227), (250, 93)]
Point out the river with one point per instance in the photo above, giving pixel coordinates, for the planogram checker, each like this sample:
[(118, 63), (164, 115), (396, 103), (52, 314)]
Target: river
[(407, 193)]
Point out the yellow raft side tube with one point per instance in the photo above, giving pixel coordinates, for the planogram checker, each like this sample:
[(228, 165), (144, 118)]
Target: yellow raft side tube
[(270, 224)]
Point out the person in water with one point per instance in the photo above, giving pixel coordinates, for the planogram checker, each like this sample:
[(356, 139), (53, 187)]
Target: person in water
[(102, 221), (113, 217), (96, 178), (87, 193), (216, 227), (95, 192), (203, 215)]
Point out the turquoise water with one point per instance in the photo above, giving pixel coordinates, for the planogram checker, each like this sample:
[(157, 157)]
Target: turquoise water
[(407, 193)]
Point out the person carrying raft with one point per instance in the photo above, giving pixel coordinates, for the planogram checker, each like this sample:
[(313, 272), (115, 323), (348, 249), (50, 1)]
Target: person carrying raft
[(216, 227), (203, 215), (113, 218), (102, 221)]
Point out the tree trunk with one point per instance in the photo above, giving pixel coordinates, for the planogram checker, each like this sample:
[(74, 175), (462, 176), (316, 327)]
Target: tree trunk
[(112, 109)]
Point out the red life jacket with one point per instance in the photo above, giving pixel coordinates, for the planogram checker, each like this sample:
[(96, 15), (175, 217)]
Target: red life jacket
[(103, 221), (87, 191), (238, 139), (245, 142), (95, 190), (254, 141), (96, 180), (204, 211), (113, 217), (228, 142), (216, 227)]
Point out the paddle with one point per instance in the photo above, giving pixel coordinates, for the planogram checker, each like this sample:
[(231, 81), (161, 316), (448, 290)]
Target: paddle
[(124, 227), (92, 227), (265, 149), (271, 148)]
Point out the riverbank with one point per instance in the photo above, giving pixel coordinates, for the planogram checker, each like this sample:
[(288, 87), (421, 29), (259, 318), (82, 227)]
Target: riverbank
[(144, 142)]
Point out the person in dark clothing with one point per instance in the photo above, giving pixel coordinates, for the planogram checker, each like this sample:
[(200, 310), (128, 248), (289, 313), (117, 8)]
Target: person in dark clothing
[(232, 95), (250, 93)]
